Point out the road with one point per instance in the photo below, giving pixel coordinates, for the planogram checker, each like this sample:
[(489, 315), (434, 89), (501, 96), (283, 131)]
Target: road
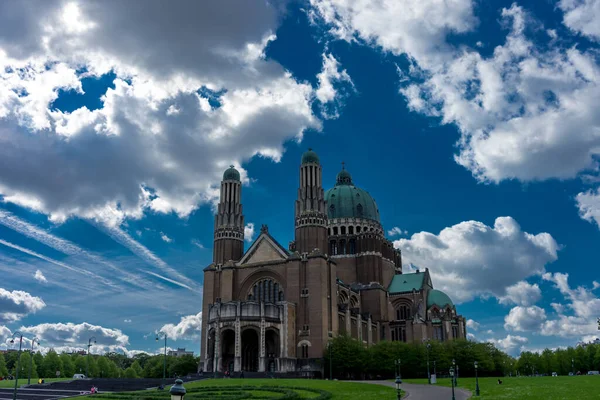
[(426, 392)]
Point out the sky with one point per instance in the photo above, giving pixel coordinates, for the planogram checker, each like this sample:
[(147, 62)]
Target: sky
[(474, 125)]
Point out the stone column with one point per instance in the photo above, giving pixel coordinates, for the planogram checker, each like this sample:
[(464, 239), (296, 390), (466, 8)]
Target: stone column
[(237, 361), (369, 332), (348, 321), (262, 358), (217, 360)]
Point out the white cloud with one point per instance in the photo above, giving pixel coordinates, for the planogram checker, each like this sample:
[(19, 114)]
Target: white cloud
[(16, 304), (198, 244), (583, 306), (525, 319), (588, 204), (582, 16), (249, 232), (331, 81), (168, 144), (165, 238), (471, 324), (558, 308), (522, 294), (463, 258), (596, 284), (127, 321), (396, 231), (470, 336), (510, 343), (39, 276), (188, 328), (70, 334)]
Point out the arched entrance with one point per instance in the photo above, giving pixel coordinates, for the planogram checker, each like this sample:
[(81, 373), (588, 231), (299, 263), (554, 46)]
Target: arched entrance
[(272, 349), (227, 350), (250, 347)]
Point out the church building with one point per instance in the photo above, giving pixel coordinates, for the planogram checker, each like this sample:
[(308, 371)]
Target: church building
[(274, 309)]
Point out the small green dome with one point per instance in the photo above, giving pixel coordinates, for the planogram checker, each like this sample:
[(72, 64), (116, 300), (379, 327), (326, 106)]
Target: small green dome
[(438, 298), (231, 174), (345, 200), (310, 157)]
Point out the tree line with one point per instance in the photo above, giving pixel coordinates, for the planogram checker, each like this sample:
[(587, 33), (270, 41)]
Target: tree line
[(580, 359), (351, 360), (110, 365)]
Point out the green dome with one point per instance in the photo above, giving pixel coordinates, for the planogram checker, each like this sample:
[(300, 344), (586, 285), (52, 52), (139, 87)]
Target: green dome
[(231, 174), (310, 157), (345, 200), (438, 298)]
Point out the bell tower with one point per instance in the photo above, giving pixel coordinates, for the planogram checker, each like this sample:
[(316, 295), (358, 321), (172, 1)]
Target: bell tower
[(311, 210), (229, 220)]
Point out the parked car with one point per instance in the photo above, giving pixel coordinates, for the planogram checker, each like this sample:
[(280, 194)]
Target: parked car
[(554, 374), (593, 372), (79, 376)]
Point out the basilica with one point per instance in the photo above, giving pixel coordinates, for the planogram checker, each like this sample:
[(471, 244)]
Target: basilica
[(275, 309)]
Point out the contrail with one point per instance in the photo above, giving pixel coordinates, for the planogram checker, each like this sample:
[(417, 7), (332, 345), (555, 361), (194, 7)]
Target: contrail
[(59, 263), (64, 246), (137, 248), (168, 280)]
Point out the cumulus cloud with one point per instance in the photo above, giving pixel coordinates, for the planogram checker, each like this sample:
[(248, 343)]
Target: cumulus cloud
[(70, 334), (582, 16), (525, 319), (194, 93), (463, 258), (165, 238), (522, 294), (39, 276), (16, 304), (471, 324), (588, 204), (396, 231), (188, 328), (331, 82), (510, 343), (249, 232)]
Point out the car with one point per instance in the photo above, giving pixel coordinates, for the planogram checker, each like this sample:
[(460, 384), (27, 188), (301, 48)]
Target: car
[(79, 376), (593, 372), (554, 374), (570, 374)]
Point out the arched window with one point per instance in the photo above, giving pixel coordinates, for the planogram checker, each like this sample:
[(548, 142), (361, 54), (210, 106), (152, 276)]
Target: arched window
[(350, 230), (342, 247), (343, 230), (403, 312), (266, 290), (304, 351), (333, 248), (352, 249)]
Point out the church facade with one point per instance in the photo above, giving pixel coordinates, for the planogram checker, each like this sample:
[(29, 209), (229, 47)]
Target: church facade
[(275, 309)]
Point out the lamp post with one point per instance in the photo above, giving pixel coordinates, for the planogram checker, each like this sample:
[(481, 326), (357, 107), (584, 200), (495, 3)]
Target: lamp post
[(398, 363), (87, 359), (455, 367), (20, 335), (435, 373), (177, 391), (165, 358), (452, 381), (476, 380), (398, 388), (35, 339), (573, 366), (428, 373)]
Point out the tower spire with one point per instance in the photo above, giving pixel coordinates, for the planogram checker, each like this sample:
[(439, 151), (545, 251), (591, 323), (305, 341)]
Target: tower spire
[(229, 220)]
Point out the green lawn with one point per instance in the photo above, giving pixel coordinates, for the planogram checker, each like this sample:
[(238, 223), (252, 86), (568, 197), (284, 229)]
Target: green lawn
[(9, 384), (542, 388), (216, 389)]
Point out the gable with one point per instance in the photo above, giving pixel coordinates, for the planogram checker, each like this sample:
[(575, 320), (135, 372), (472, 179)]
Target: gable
[(262, 250), (402, 283)]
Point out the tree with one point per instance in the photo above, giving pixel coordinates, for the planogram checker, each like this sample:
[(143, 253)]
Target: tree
[(3, 369), (181, 366), (24, 366), (38, 359), (130, 373), (68, 365), (51, 365), (80, 365), (137, 368)]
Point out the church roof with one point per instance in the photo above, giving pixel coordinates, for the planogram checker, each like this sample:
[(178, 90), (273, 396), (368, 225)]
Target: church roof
[(231, 174), (438, 298), (310, 157), (345, 200), (407, 282)]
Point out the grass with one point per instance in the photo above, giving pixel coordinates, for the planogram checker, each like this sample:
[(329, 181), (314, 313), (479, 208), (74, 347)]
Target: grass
[(23, 381), (540, 388), (290, 389)]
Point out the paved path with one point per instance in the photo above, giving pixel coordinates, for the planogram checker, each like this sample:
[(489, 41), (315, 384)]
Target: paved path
[(426, 392)]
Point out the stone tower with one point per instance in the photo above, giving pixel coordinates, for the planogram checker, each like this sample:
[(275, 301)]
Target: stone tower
[(311, 210), (229, 220)]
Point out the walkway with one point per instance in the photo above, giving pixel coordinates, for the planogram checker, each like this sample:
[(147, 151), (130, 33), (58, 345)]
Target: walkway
[(426, 392)]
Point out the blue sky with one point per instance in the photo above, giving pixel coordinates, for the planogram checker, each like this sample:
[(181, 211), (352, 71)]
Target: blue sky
[(473, 125)]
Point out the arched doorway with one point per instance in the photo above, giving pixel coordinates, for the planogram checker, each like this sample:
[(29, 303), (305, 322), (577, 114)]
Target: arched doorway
[(227, 350), (250, 346), (272, 349)]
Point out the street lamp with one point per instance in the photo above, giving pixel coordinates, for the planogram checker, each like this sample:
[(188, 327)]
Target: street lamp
[(398, 363), (452, 380), (177, 391), (428, 373), (165, 359), (398, 388), (455, 367), (87, 359), (476, 380), (35, 339), (20, 335)]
